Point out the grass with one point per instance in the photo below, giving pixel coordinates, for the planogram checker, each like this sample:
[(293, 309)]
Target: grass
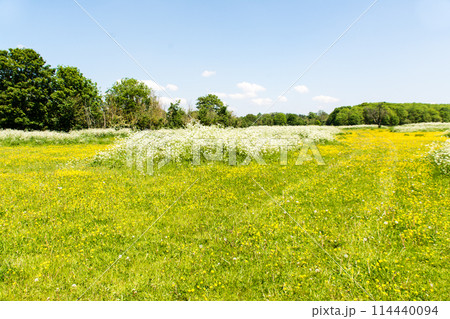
[(379, 207)]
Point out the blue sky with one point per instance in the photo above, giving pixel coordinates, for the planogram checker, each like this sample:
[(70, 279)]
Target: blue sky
[(253, 50)]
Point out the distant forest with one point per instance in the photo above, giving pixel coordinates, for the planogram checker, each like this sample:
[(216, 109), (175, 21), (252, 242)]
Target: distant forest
[(389, 114), (35, 96)]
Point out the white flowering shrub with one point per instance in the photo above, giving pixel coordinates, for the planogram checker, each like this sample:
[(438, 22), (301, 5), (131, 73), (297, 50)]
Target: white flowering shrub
[(180, 144), (13, 137), (422, 127), (440, 154)]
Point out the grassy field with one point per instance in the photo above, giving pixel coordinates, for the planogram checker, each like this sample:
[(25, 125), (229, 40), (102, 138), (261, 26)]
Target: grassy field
[(373, 223)]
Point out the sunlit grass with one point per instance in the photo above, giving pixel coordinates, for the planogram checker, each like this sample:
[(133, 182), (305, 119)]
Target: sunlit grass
[(379, 208)]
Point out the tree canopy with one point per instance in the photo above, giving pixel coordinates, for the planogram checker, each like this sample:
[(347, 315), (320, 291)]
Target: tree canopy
[(131, 103), (176, 116), (76, 101), (389, 114), (35, 96), (211, 110), (25, 89)]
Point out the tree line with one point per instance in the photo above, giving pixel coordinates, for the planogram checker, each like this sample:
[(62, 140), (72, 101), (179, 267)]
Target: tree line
[(389, 114), (35, 96)]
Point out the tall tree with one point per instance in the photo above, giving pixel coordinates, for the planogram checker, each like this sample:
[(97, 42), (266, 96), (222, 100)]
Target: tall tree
[(25, 89), (211, 110), (377, 113), (292, 119), (279, 119), (175, 115), (131, 103), (75, 101)]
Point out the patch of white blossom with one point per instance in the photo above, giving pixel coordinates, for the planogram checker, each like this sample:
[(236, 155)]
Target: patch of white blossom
[(440, 154), (180, 144), (422, 127)]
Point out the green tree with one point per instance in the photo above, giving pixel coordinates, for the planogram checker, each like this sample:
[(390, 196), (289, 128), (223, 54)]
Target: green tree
[(131, 103), (402, 114), (211, 110), (75, 102), (435, 115), (313, 118), (445, 113), (175, 115), (415, 114), (354, 117), (25, 89), (279, 119), (266, 119), (376, 114), (292, 119), (322, 116), (248, 120), (391, 118), (342, 117)]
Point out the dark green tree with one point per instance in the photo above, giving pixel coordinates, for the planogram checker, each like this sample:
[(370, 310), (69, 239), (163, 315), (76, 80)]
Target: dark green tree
[(312, 118), (445, 113), (76, 101), (354, 117), (279, 119), (391, 118), (25, 89), (435, 115), (292, 119), (211, 110), (402, 114), (342, 117), (175, 115), (266, 120)]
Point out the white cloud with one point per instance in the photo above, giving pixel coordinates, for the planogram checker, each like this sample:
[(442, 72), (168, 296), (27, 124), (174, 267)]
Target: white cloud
[(302, 89), (282, 99), (165, 101), (172, 87), (20, 46), (250, 89), (325, 99), (156, 87), (153, 85), (262, 101), (207, 74)]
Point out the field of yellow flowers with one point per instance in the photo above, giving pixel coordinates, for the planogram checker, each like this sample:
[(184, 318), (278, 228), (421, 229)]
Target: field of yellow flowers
[(371, 224)]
